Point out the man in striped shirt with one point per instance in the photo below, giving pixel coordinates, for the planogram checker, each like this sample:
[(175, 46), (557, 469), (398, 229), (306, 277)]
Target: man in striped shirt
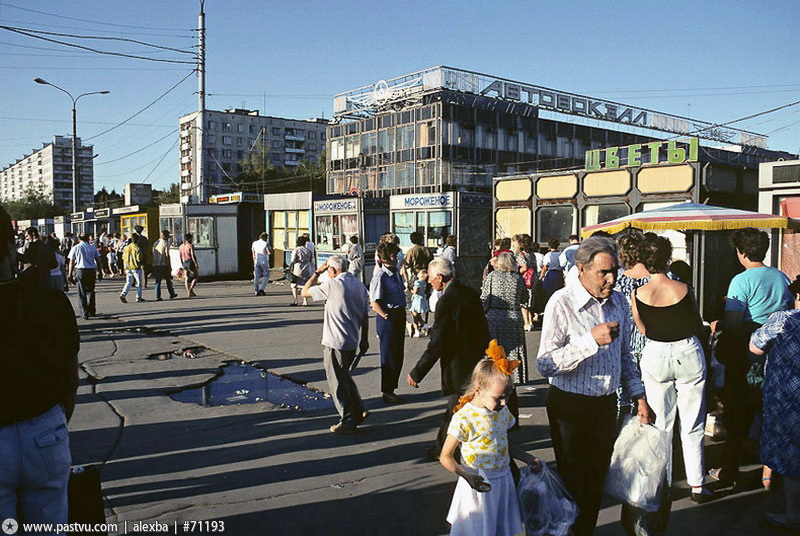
[(585, 354)]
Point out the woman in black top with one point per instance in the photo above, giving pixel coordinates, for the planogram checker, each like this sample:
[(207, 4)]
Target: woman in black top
[(673, 365)]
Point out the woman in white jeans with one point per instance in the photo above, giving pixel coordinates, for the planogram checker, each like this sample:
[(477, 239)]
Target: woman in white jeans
[(673, 364)]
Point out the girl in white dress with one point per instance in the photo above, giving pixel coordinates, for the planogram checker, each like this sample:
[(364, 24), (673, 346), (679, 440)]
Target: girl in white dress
[(485, 499)]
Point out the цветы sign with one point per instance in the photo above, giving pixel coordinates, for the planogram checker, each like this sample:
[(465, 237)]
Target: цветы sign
[(657, 152)]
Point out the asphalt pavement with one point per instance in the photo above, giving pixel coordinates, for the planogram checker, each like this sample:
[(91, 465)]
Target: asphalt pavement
[(264, 468)]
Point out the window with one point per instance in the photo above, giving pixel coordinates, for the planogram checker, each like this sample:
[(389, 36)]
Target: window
[(239, 141), (212, 125), (227, 140), (252, 129), (403, 224), (175, 228), (227, 153), (226, 127), (312, 135), (554, 222), (239, 127), (312, 146), (277, 144), (211, 138), (239, 155), (203, 231), (276, 131), (594, 214)]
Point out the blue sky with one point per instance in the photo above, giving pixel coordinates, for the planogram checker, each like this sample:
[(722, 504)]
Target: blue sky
[(711, 60)]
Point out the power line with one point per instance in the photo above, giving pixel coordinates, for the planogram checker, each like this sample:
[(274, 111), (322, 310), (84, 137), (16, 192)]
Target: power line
[(72, 27), (159, 162), (138, 150), (93, 68), (102, 38), (90, 21), (143, 109), (120, 54)]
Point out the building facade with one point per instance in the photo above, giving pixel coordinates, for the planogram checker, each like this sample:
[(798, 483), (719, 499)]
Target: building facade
[(49, 171), (446, 129), (214, 144)]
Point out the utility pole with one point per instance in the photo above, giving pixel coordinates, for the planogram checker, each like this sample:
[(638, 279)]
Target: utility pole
[(201, 99)]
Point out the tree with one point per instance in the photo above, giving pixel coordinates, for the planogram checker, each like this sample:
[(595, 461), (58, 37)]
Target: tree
[(170, 195), (34, 204), (104, 199)]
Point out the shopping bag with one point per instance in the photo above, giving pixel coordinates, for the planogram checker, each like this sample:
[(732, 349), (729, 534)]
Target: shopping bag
[(638, 465), (546, 505), (85, 497)]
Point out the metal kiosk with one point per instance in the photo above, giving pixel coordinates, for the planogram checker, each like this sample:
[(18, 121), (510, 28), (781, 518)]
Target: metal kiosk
[(466, 215), (337, 219)]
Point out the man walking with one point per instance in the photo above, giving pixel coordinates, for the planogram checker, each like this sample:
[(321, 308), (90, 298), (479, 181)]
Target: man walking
[(261, 252), (162, 266), (83, 268), (585, 354), (144, 247), (417, 258), (346, 311), (132, 257), (567, 258), (458, 339)]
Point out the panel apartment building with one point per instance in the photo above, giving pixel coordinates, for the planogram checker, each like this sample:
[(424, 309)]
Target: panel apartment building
[(210, 161), (49, 170), (446, 129)]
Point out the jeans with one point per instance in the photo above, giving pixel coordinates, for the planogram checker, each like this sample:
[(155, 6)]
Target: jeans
[(34, 468), (674, 377), (341, 385), (86, 282), (130, 276), (163, 272), (260, 270)]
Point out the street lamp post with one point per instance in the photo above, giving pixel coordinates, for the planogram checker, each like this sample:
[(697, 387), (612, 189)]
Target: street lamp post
[(75, 188)]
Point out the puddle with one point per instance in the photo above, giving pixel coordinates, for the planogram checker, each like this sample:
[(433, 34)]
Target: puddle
[(139, 330), (243, 383), (190, 352)]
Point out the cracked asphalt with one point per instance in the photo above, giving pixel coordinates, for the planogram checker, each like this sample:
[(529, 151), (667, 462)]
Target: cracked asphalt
[(266, 469)]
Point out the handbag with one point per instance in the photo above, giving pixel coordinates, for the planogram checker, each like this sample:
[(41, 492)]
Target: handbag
[(528, 277), (85, 497)]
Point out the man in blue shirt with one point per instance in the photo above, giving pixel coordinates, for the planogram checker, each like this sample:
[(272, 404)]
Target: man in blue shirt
[(753, 296), (388, 299), (83, 267)]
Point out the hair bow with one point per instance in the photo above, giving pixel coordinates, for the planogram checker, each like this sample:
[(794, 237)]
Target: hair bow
[(496, 353)]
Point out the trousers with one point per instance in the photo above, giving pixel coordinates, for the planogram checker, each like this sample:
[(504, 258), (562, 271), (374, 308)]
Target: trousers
[(392, 335), (87, 278), (583, 432), (34, 468), (341, 385), (163, 272), (260, 270), (674, 377), (130, 277)]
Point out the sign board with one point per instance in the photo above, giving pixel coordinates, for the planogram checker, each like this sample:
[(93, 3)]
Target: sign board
[(657, 152), (76, 216), (237, 197), (469, 200), (133, 209), (335, 205), (102, 213), (421, 201), (138, 194)]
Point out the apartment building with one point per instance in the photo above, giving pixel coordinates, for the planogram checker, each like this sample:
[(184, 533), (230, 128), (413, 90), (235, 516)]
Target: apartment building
[(49, 170), (214, 144)]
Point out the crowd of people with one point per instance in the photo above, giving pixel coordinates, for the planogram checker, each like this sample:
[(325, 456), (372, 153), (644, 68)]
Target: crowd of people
[(621, 336)]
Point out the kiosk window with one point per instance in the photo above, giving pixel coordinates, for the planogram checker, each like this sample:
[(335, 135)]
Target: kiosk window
[(203, 231), (403, 226), (594, 214), (175, 228), (439, 226), (324, 232), (554, 222)]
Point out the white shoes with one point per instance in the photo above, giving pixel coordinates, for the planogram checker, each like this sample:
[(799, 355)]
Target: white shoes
[(411, 329)]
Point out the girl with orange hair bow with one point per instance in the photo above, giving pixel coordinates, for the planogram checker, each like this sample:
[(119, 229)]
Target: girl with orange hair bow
[(485, 499)]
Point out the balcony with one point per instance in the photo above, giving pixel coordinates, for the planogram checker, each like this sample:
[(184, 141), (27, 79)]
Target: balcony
[(186, 146), (291, 163), (186, 159), (186, 172), (295, 150), (292, 137)]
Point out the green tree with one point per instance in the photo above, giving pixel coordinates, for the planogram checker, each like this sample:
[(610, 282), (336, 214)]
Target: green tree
[(105, 199), (33, 205), (170, 195)]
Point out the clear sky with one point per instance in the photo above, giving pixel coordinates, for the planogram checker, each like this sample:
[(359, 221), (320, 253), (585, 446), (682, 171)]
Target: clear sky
[(711, 60)]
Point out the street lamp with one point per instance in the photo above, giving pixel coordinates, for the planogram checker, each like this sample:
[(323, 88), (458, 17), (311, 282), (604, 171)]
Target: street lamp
[(75, 188)]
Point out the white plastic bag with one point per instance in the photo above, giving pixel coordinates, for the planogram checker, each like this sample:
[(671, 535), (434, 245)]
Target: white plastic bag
[(547, 507), (638, 465)]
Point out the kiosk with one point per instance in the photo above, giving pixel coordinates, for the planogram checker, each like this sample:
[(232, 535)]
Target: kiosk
[(250, 222), (337, 219), (288, 215), (466, 215)]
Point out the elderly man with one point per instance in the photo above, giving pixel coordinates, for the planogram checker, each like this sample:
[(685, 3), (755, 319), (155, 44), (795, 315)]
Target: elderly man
[(585, 354), (346, 311), (459, 337), (261, 252)]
